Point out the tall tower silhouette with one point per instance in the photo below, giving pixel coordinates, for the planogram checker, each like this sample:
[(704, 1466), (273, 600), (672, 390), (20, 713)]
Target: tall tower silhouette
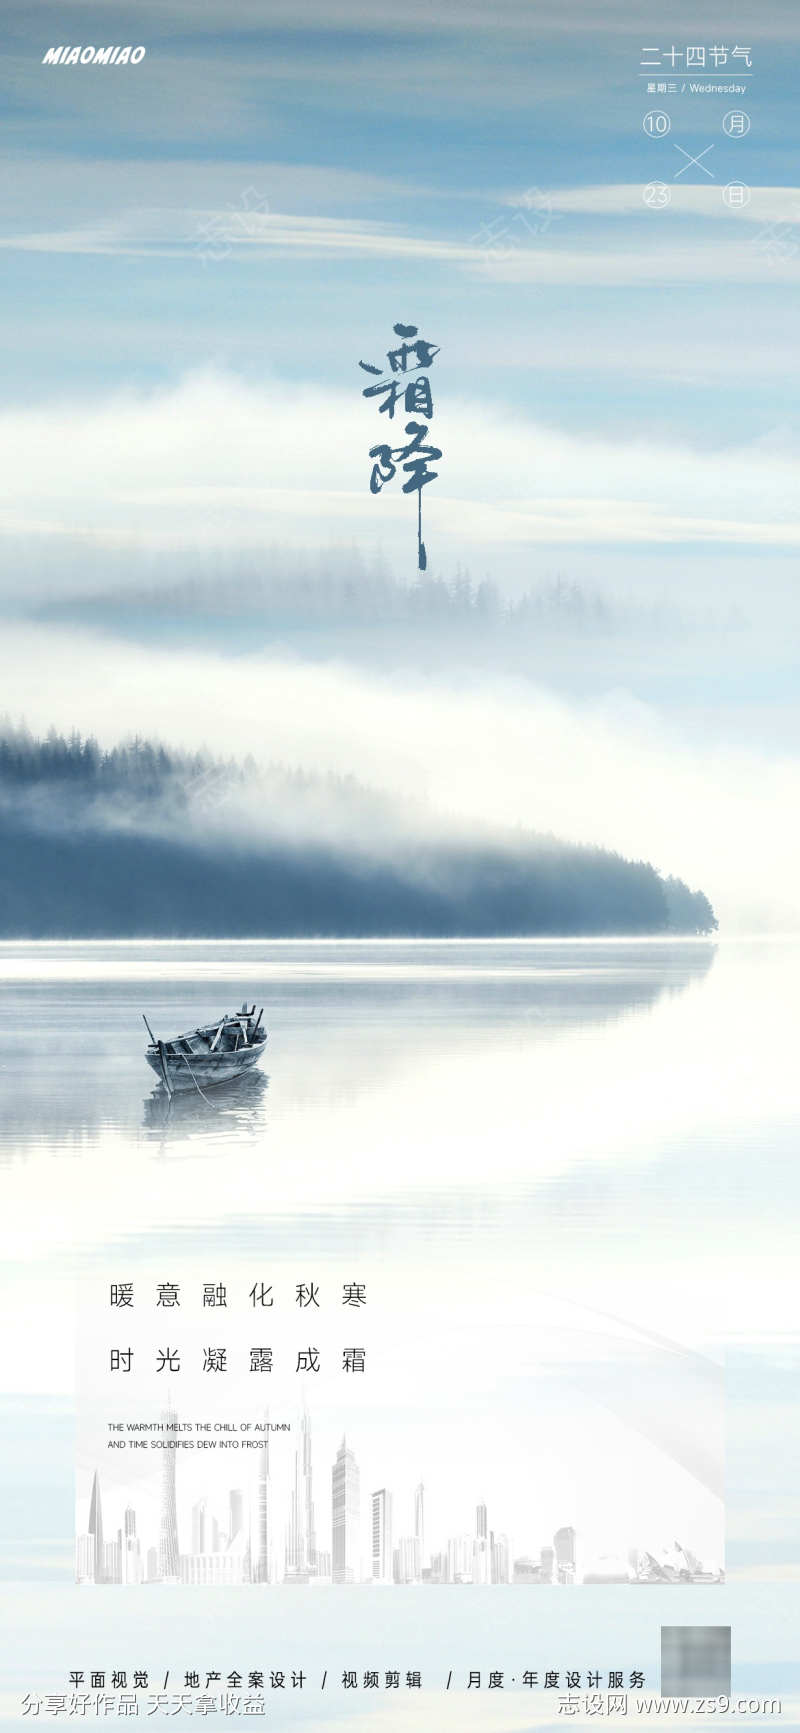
[(382, 1536), (168, 1555), (261, 1571), (565, 1546), (481, 1557), (200, 1527), (96, 1531), (130, 1561), (345, 1494), (308, 1487), (301, 1546), (235, 1512), (419, 1529)]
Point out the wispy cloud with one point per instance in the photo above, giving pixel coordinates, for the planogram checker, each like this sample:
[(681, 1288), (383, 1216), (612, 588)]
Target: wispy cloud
[(653, 255), (214, 461), (766, 204), (168, 233)]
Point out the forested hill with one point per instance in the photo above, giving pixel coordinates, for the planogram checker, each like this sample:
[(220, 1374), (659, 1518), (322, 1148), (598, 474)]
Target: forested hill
[(142, 841)]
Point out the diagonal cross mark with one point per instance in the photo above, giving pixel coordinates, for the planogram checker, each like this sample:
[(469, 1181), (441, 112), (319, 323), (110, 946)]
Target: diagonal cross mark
[(693, 159)]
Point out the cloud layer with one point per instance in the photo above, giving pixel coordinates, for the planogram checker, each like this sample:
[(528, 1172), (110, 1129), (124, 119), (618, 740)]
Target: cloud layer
[(216, 462)]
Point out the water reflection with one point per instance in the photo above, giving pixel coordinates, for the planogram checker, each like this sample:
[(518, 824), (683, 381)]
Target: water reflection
[(236, 1109), (343, 1020)]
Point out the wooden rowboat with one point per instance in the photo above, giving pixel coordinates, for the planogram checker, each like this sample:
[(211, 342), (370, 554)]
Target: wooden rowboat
[(213, 1053)]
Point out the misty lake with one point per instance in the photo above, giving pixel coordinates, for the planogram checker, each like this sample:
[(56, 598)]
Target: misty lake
[(607, 1094), (606, 1130)]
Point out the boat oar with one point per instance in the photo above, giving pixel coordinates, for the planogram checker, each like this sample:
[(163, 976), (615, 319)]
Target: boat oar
[(149, 1030)]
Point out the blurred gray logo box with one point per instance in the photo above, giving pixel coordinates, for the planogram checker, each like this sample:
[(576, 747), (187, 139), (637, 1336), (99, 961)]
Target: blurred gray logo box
[(695, 1660)]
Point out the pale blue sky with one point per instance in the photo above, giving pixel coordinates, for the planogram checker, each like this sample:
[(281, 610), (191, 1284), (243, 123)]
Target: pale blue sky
[(405, 133)]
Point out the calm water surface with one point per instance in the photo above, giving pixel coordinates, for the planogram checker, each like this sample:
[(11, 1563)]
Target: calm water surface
[(602, 1133), (624, 1106), (340, 1017)]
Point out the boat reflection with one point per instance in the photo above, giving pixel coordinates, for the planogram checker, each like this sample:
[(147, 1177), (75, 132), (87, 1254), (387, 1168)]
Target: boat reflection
[(230, 1110), (379, 1014)]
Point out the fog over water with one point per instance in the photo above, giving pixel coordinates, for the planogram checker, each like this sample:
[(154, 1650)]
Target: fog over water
[(612, 1119)]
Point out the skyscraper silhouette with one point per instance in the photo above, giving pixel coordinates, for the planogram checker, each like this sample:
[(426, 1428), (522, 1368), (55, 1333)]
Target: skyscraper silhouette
[(308, 1486), (168, 1553), (500, 1558), (382, 1535), (237, 1551), (200, 1527), (301, 1546), (96, 1531), (131, 1552), (235, 1513), (459, 1559), (405, 1559), (481, 1554), (261, 1570), (419, 1529), (565, 1544), (345, 1494)]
